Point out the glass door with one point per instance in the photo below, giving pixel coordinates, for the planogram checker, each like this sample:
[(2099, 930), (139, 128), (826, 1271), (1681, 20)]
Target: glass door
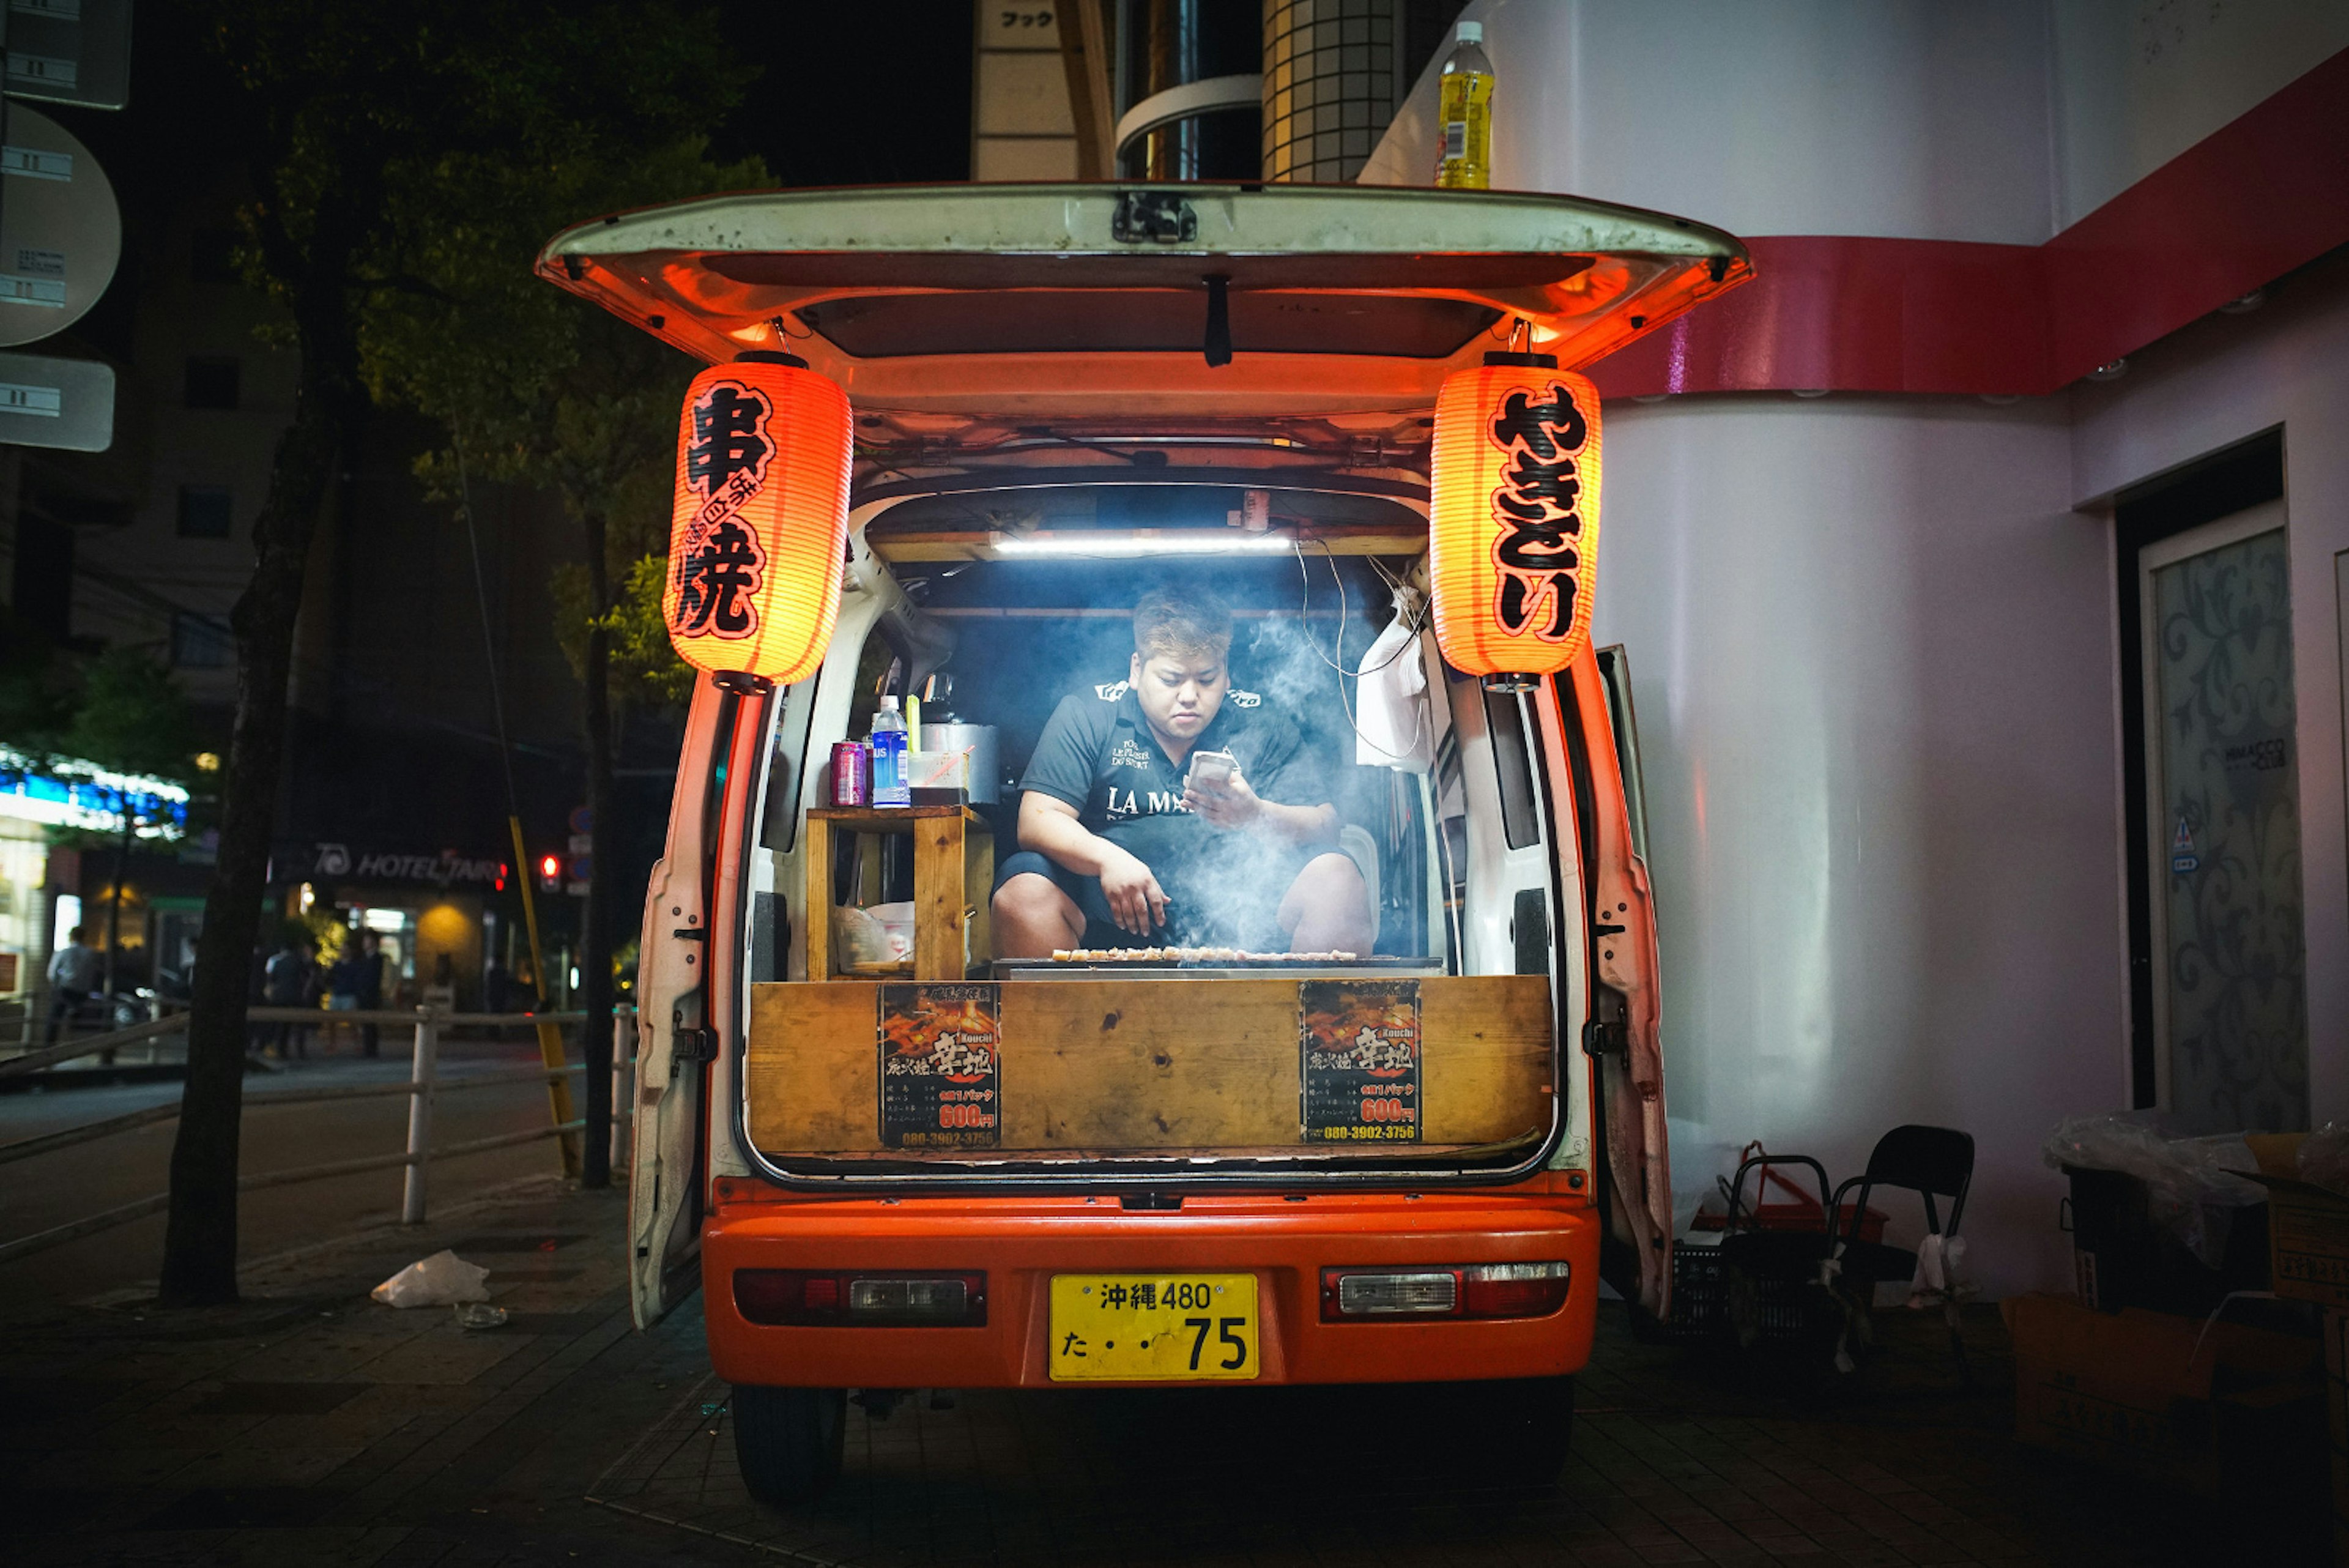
[(2222, 784)]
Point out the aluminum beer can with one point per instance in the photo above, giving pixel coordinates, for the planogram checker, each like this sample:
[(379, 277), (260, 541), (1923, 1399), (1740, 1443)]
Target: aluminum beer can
[(852, 774)]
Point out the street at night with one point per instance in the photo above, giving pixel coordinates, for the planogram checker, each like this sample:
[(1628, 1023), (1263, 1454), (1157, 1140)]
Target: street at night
[(860, 786)]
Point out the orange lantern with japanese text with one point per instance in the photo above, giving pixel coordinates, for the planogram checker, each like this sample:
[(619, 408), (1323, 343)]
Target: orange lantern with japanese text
[(1513, 528), (760, 521)]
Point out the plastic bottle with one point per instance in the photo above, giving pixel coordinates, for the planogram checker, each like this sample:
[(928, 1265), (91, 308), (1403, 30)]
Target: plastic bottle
[(1464, 159), (890, 785)]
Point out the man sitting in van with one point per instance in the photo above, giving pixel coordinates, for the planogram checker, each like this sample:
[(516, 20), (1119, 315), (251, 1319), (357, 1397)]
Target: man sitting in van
[(1122, 844)]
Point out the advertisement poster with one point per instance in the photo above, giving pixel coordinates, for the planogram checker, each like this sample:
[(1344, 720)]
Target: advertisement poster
[(941, 1061), (1360, 1040)]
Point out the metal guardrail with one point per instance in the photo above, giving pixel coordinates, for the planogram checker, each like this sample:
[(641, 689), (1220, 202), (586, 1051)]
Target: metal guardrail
[(422, 1087), (91, 1045)]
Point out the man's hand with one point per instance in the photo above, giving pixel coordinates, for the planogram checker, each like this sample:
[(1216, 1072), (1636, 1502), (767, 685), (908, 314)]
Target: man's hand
[(1231, 805), (1135, 900)]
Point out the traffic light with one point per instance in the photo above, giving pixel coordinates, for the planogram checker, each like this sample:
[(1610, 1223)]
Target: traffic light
[(550, 873)]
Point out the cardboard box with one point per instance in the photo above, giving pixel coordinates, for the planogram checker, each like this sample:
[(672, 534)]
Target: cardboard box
[(2233, 1410), (2308, 1226)]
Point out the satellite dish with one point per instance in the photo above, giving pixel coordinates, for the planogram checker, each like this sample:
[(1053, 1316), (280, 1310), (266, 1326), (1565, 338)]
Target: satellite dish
[(60, 229)]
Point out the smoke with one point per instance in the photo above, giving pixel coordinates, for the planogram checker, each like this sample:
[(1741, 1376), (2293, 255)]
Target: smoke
[(1288, 664), (1294, 631)]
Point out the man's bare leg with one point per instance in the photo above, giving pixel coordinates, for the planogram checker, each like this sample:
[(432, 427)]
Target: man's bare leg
[(1032, 917), (1326, 909)]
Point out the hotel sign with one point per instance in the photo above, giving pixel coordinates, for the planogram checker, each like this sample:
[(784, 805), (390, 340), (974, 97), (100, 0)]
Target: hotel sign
[(360, 863)]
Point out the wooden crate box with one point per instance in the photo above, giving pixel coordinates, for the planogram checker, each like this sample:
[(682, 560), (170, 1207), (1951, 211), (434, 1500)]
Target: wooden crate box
[(1151, 1065)]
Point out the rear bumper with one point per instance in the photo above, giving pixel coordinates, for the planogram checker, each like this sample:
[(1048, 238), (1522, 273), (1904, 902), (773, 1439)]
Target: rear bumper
[(1022, 1242)]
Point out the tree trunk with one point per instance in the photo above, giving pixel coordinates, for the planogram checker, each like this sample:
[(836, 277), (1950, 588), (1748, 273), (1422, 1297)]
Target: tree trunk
[(200, 1239), (595, 920)]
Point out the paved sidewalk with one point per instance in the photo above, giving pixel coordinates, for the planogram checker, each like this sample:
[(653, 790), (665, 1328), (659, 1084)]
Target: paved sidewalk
[(311, 1426)]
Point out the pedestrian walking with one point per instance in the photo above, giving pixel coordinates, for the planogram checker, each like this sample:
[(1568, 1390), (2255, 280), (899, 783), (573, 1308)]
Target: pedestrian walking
[(344, 982), (314, 995), (370, 990), (291, 972), (74, 978)]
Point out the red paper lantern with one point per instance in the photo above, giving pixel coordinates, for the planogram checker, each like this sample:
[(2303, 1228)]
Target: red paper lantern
[(1512, 530), (760, 521)]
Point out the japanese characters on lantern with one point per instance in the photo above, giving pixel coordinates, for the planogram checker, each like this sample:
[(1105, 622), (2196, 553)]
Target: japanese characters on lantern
[(1514, 530), (761, 520)]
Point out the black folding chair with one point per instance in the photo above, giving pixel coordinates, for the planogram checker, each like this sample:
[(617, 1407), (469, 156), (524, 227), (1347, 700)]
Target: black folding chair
[(1933, 1162)]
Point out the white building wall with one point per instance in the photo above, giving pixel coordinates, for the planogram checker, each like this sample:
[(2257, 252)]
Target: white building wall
[(1022, 125), (1871, 657), (2138, 82), (1997, 120), (1872, 641), (1900, 117)]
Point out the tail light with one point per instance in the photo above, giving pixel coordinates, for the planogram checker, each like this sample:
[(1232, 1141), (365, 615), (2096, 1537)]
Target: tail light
[(1513, 1290), (802, 1298), (1460, 1290)]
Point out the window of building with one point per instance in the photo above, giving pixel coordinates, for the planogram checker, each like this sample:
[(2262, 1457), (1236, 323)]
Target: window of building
[(200, 642), (212, 382), (206, 510)]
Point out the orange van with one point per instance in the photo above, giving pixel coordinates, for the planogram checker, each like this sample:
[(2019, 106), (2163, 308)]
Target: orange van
[(891, 1166)]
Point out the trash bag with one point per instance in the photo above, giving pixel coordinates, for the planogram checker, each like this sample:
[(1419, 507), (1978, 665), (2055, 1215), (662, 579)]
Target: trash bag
[(443, 1279), (2184, 1177), (2325, 1158)]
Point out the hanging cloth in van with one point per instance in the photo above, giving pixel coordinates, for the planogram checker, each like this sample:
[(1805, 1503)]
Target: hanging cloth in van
[(1392, 726)]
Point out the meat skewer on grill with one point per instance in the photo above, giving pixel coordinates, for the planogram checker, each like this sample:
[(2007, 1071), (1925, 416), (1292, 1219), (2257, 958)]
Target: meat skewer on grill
[(1193, 955)]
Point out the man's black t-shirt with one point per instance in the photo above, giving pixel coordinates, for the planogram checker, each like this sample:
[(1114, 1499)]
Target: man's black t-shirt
[(1098, 755)]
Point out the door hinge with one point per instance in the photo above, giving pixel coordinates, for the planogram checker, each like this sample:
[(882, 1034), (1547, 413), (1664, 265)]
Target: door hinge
[(691, 1047), (1607, 1037), (1153, 217)]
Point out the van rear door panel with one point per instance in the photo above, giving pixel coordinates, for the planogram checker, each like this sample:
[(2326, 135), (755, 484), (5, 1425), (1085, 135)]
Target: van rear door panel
[(668, 1167), (1623, 1037)]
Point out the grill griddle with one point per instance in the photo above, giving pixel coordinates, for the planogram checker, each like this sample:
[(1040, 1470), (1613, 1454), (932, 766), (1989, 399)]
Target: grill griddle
[(1163, 969)]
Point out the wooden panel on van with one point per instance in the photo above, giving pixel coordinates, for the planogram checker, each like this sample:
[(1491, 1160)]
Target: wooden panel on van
[(1148, 1064)]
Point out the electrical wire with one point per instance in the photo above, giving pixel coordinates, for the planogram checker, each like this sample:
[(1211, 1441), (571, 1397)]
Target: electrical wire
[(1304, 613)]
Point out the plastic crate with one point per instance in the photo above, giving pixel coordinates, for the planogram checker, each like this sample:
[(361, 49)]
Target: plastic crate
[(1700, 1299)]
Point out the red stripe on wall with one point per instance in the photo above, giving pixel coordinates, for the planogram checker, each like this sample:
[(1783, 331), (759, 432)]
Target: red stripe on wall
[(2265, 193)]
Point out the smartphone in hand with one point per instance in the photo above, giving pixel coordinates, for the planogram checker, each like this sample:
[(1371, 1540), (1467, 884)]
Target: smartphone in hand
[(1210, 770)]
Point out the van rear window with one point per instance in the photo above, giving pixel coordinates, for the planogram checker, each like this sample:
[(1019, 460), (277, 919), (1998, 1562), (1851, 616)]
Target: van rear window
[(1296, 996), (1041, 656)]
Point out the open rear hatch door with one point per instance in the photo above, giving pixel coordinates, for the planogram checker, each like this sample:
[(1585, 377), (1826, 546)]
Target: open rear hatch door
[(1108, 303)]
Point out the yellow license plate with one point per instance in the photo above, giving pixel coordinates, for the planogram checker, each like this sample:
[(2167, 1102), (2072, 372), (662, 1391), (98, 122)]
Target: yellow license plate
[(1134, 1327)]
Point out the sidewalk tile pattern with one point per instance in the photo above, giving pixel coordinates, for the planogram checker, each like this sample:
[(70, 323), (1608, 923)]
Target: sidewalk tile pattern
[(311, 1426)]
